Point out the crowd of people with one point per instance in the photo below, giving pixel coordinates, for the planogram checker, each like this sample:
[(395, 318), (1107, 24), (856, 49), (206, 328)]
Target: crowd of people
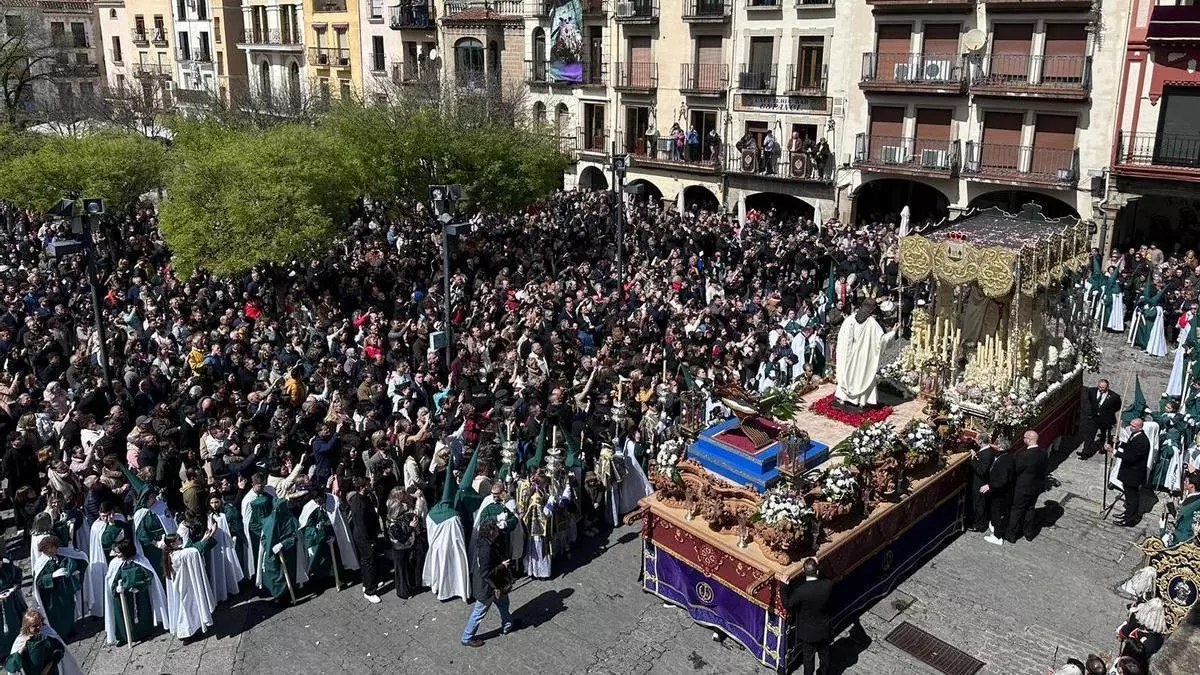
[(299, 427)]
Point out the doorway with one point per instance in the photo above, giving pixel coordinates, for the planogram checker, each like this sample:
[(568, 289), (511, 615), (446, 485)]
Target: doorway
[(637, 121), (703, 121)]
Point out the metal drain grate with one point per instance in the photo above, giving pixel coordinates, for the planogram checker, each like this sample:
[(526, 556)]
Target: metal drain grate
[(932, 651)]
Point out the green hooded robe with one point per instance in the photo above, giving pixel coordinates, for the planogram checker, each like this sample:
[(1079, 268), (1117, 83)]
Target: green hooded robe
[(282, 528)]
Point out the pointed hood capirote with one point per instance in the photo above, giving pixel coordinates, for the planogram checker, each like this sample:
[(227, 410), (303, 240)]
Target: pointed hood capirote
[(444, 509)]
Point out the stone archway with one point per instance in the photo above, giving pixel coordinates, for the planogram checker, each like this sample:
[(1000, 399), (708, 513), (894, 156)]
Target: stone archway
[(785, 205), (1013, 201), (885, 198), (592, 178), (650, 191), (698, 195)]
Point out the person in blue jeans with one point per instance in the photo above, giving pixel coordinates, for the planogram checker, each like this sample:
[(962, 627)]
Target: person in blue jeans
[(490, 581)]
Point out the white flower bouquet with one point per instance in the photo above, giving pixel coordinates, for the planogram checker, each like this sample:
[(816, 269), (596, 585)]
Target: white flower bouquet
[(666, 462), (920, 438), (839, 484), (869, 442), (780, 505)]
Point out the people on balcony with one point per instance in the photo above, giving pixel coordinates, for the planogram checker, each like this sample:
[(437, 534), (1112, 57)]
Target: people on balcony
[(770, 153)]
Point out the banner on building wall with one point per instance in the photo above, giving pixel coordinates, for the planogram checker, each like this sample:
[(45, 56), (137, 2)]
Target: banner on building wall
[(566, 41)]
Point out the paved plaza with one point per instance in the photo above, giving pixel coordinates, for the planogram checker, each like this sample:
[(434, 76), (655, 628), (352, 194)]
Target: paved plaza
[(1015, 607)]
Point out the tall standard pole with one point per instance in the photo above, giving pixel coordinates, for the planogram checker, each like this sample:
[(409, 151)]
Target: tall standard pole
[(446, 290), (89, 255), (619, 171)]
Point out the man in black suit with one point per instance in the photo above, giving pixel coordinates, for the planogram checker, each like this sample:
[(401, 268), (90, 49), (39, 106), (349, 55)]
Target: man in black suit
[(1100, 410), (1030, 467), (809, 604), (1133, 452), (999, 493), (981, 467)]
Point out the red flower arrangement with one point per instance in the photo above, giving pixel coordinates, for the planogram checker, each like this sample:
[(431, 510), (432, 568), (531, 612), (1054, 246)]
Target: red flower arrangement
[(825, 408)]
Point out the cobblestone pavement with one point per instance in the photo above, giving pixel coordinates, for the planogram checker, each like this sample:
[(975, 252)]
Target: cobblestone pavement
[(1015, 607)]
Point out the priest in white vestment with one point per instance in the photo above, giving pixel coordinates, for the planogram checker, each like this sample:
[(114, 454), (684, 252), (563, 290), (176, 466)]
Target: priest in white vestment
[(860, 343)]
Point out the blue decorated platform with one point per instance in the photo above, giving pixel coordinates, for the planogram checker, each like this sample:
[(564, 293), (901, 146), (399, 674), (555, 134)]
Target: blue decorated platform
[(724, 451)]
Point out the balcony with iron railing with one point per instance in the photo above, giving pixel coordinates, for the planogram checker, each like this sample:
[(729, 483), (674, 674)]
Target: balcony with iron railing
[(486, 9), (909, 6), (707, 11), (74, 69), (1037, 5), (665, 152), (1174, 25), (635, 11), (814, 4), (140, 38), (757, 77), (69, 42), (193, 96), (594, 8), (538, 72), (151, 70), (1027, 76), (158, 36), (418, 15), (800, 166), (805, 82), (329, 57), (704, 79), (192, 56), (940, 74), (593, 142), (594, 74), (409, 73), (568, 146), (764, 6), (1163, 156), (636, 77), (1021, 164), (271, 38), (906, 155)]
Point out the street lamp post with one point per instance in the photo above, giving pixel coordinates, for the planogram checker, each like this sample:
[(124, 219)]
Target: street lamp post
[(620, 164), (444, 201), (81, 226)]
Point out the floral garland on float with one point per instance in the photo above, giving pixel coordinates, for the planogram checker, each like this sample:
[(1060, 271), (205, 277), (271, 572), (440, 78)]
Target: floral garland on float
[(665, 475), (783, 524)]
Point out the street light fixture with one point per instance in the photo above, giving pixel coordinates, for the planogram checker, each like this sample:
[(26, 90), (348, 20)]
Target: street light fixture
[(444, 201), (81, 226)]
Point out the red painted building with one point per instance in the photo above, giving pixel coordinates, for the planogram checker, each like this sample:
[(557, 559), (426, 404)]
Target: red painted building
[(1154, 190)]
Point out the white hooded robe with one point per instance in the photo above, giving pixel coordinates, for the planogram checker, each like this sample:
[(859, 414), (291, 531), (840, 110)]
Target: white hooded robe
[(189, 600), (82, 597), (157, 602), (67, 666), (447, 571), (333, 508)]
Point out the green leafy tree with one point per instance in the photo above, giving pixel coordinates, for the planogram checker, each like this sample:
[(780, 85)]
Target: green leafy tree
[(239, 197), (117, 167)]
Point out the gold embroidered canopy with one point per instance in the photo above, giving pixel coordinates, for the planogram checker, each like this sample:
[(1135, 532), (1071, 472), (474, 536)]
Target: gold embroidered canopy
[(998, 251)]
